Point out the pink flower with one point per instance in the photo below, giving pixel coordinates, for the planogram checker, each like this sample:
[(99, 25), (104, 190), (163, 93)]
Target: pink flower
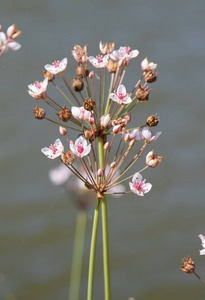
[(54, 150), (99, 61), (7, 43), (121, 96), (202, 237), (38, 88), (147, 66), (148, 136), (138, 186), (57, 66), (81, 147), (133, 134), (123, 53), (80, 113)]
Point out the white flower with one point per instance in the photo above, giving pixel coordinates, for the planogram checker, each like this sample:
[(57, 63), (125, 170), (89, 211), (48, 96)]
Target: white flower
[(57, 66), (148, 136), (80, 113), (38, 88), (121, 96), (54, 150), (7, 43), (81, 147), (147, 66), (134, 134), (202, 237), (80, 54), (138, 186), (104, 120), (123, 53), (99, 61), (59, 175)]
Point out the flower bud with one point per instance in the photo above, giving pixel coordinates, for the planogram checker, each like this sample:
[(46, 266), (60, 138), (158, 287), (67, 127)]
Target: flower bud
[(131, 143), (127, 137), (11, 30), (87, 134), (188, 265), (68, 158), (92, 75), (104, 120), (113, 164), (152, 160), (39, 113), (100, 172), (77, 84), (91, 119), (62, 130), (65, 114), (117, 128), (128, 117), (106, 146), (152, 121)]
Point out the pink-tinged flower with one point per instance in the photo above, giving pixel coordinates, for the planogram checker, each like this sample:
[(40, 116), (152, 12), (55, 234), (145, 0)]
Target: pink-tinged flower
[(121, 96), (138, 186), (81, 147), (59, 175), (106, 48), (37, 89), (148, 136), (202, 237), (99, 61), (54, 150), (80, 54), (147, 66), (133, 134), (104, 120), (57, 66), (123, 53), (80, 113), (7, 43)]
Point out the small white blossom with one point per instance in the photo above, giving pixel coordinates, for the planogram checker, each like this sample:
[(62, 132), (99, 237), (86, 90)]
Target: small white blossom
[(57, 66), (54, 150), (123, 53), (138, 186), (148, 136), (202, 237), (81, 147), (7, 43), (99, 61), (80, 113), (38, 88), (147, 66), (121, 96)]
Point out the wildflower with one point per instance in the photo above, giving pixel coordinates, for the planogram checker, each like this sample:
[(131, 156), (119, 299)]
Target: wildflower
[(138, 186), (148, 136), (54, 150), (152, 160), (7, 41), (106, 48), (81, 147), (202, 237), (99, 61), (80, 54), (147, 66), (37, 89), (188, 265), (121, 96), (123, 53), (133, 134), (80, 113), (57, 66)]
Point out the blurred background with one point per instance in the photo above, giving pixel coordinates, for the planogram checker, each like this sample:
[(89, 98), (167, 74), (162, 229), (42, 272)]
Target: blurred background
[(149, 235)]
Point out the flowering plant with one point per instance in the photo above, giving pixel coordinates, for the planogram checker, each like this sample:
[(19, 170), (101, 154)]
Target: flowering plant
[(99, 119), (7, 41)]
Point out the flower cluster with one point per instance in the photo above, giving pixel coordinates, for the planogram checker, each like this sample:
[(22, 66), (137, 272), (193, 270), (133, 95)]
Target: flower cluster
[(99, 119), (7, 41)]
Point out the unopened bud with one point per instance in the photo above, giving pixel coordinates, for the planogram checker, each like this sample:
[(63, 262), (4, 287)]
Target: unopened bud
[(131, 143), (152, 121), (127, 137), (117, 128), (39, 113), (92, 75), (62, 130), (87, 134), (128, 117), (68, 158), (100, 172), (152, 160), (106, 146), (91, 119), (113, 164), (11, 30), (104, 120), (120, 63), (77, 84)]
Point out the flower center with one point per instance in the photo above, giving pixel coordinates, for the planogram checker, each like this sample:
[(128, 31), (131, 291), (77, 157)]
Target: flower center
[(138, 186), (99, 58), (80, 148), (38, 85), (53, 149), (127, 50), (120, 95), (56, 64)]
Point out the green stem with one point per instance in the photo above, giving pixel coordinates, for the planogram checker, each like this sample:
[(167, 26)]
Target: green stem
[(104, 229), (77, 255), (92, 252)]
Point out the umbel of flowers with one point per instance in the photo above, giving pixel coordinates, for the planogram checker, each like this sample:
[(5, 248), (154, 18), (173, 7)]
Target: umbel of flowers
[(99, 110)]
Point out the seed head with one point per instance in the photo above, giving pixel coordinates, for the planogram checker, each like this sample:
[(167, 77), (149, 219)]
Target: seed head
[(188, 265), (65, 114), (39, 113)]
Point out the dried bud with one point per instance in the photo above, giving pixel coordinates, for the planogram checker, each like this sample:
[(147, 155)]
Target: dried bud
[(68, 158), (111, 67), (106, 145), (151, 76), (152, 121), (113, 164), (100, 172), (77, 84), (152, 160), (39, 113), (65, 114), (62, 130), (92, 75), (82, 72), (142, 93), (106, 48), (49, 75), (89, 104), (188, 265)]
